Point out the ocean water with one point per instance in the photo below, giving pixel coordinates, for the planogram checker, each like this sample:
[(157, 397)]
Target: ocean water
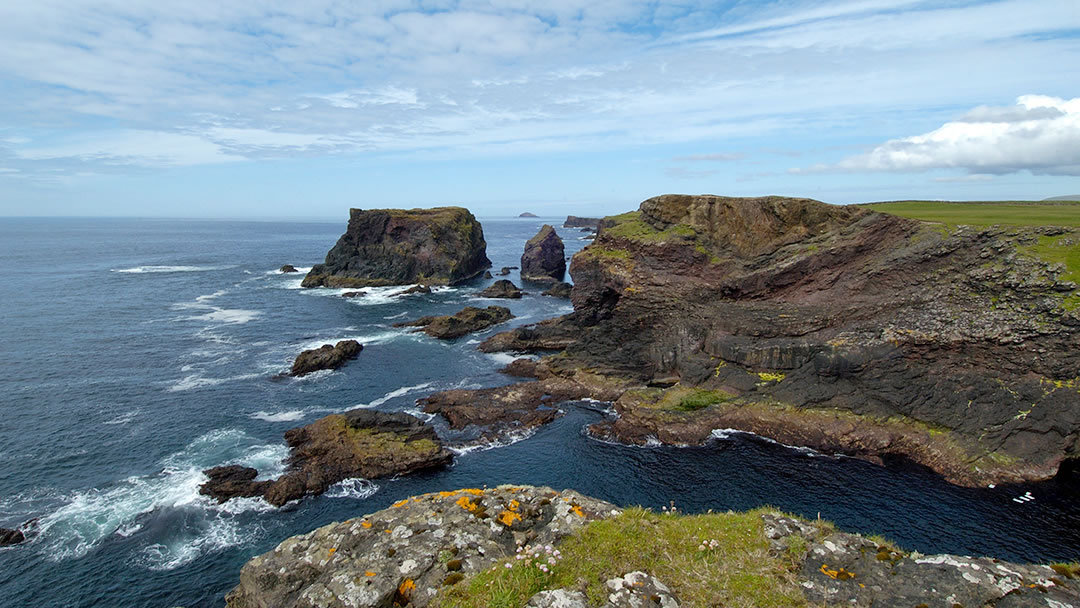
[(139, 352)]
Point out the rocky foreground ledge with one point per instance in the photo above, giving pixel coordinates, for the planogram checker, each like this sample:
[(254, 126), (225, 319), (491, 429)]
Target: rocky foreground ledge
[(464, 547)]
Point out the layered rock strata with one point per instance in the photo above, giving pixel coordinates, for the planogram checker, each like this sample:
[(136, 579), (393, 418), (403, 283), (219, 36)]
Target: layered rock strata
[(437, 246)]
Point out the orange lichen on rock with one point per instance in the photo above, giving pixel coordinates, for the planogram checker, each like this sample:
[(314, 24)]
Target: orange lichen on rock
[(507, 518)]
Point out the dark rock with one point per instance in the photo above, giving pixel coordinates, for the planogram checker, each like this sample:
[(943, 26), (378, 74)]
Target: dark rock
[(468, 320), (325, 357), (354, 294), (487, 274), (505, 270), (416, 289), (527, 214), (544, 258), (357, 564), (232, 481), (441, 246), (359, 443), (559, 290), (553, 334), (289, 268), (10, 537), (572, 221), (502, 288)]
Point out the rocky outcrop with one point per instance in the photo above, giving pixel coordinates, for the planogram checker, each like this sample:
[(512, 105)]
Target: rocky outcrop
[(837, 328), (360, 443), (288, 268), (505, 270), (437, 246), (544, 258), (421, 289), (405, 554), (841, 569), (423, 545), (573, 221), (502, 288), (354, 294), (10, 537), (470, 319), (559, 290), (232, 481), (325, 357)]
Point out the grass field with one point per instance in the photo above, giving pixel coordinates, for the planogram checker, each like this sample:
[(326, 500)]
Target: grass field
[(1016, 213)]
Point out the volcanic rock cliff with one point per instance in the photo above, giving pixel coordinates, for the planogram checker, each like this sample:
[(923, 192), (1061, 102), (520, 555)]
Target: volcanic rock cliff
[(441, 246), (838, 328)]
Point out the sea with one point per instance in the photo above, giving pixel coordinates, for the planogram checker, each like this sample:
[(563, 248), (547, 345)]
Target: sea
[(138, 352)]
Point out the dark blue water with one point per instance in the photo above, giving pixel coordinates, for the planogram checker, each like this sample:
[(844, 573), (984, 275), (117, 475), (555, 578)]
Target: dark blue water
[(138, 352)]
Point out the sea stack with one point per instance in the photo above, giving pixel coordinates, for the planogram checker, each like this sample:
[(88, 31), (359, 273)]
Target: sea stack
[(544, 258), (440, 246)]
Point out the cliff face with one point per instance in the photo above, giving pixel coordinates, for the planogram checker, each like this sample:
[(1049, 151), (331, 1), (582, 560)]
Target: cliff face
[(960, 339), (544, 257), (444, 245)]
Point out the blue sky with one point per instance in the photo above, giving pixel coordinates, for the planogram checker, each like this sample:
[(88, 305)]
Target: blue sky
[(302, 109)]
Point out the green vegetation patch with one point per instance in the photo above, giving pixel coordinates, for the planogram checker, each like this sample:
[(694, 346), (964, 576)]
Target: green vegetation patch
[(630, 226), (681, 399), (1016, 213), (1062, 249), (735, 569)]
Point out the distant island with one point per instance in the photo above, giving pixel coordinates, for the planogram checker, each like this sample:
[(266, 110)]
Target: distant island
[(527, 214), (1067, 197)]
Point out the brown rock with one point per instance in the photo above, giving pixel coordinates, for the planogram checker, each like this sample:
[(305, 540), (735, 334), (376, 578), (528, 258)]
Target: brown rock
[(544, 258), (502, 288), (325, 357), (470, 319), (288, 268), (232, 481)]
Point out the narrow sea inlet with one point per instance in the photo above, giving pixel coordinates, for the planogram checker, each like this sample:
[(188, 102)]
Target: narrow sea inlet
[(140, 352)]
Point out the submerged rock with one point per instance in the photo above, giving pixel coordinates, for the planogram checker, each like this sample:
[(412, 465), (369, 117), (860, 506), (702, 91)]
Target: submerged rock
[(559, 290), (354, 294), (325, 357), (415, 289), (406, 553), (288, 268), (232, 481), (470, 319), (505, 270), (503, 288), (359, 443), (544, 258), (439, 246)]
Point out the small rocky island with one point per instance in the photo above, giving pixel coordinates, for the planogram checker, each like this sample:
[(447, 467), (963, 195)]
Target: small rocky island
[(544, 258), (470, 319), (327, 356), (440, 246), (359, 443)]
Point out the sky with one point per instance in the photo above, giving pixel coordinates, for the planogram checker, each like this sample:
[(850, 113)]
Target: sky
[(283, 109)]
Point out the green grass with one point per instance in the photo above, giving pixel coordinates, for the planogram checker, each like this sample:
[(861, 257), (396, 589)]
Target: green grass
[(739, 572), (679, 398), (630, 226), (1016, 213)]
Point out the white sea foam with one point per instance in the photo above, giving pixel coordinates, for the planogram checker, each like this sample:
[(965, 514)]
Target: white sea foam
[(398, 392), (355, 488), (730, 433), (364, 339), (490, 444), (503, 358), (87, 517), (195, 381), (211, 296), (123, 418), (159, 269), (397, 316), (228, 315), (300, 270), (289, 416)]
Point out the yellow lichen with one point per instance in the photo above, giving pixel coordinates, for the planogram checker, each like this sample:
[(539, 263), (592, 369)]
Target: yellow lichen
[(365, 524), (406, 588), (507, 518), (465, 503), (771, 376), (576, 510), (839, 574), (400, 503), (369, 573)]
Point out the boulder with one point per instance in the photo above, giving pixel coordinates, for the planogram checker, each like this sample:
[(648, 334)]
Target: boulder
[(559, 290), (487, 274), (503, 288), (416, 289), (359, 443), (505, 270), (434, 540), (354, 294), (232, 481), (544, 258), (289, 268), (470, 319), (325, 357), (438, 246), (10, 537)]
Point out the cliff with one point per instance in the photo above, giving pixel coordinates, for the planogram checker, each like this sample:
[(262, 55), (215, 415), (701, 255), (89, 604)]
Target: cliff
[(837, 328), (441, 246), (524, 545)]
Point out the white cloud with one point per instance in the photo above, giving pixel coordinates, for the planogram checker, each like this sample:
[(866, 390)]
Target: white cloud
[(140, 148), (1039, 134)]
